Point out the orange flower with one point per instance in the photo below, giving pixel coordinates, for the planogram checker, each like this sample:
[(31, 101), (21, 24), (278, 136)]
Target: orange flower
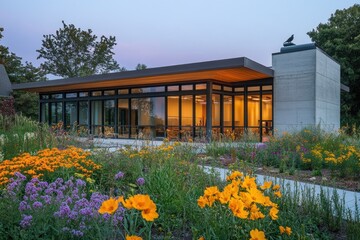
[(255, 234), (278, 194), (266, 185), (286, 230), (133, 237), (273, 213), (109, 206)]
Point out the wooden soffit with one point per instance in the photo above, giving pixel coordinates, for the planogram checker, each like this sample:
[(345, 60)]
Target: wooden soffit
[(173, 74)]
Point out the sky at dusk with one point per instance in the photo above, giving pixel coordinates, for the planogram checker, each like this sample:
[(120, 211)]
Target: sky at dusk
[(165, 32)]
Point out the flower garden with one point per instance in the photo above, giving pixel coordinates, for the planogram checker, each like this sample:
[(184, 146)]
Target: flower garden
[(51, 189)]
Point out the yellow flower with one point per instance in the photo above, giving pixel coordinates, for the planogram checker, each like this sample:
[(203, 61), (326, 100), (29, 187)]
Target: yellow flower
[(90, 180), (202, 201), (109, 206), (286, 230), (276, 187), (133, 237), (201, 238), (234, 175), (210, 191), (278, 194), (150, 214), (255, 234), (273, 213), (266, 185)]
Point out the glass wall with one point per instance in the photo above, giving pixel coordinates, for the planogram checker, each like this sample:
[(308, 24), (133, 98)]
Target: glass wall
[(148, 117), (96, 118), (44, 112), (200, 116), (174, 111), (109, 118), (186, 116), (70, 114), (173, 118), (123, 118)]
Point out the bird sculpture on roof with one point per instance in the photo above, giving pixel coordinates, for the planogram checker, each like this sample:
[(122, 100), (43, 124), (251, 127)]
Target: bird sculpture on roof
[(288, 42)]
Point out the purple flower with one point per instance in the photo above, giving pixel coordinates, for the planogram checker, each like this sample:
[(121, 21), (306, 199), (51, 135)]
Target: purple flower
[(20, 176), (80, 183), (43, 185), (261, 146), (87, 211), (73, 215), (34, 196), (26, 221), (63, 211), (119, 175), (46, 198), (37, 205), (77, 233), (140, 181), (23, 206)]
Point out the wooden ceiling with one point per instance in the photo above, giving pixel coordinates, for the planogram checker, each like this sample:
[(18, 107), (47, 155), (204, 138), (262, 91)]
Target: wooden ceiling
[(229, 75)]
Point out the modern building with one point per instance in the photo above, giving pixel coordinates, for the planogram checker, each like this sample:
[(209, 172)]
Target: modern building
[(200, 100)]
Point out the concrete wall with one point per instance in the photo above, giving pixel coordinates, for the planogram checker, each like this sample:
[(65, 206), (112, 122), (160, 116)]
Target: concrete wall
[(306, 89), (5, 85)]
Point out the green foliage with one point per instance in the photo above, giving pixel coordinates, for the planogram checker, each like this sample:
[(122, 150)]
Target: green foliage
[(72, 52), (340, 38), (14, 140)]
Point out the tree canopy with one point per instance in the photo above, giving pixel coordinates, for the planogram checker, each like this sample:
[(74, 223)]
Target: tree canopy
[(340, 38), (25, 102), (72, 52)]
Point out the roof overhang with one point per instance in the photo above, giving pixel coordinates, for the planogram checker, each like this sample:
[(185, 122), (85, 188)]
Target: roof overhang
[(227, 70)]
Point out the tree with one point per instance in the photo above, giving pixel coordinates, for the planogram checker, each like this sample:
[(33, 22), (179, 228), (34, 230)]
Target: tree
[(25, 102), (140, 66), (340, 38), (72, 52)]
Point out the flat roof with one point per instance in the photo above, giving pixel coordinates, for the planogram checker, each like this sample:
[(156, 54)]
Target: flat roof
[(226, 70)]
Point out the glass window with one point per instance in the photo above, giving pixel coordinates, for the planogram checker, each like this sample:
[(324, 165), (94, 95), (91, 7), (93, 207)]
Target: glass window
[(267, 87), (187, 110), (71, 95), (148, 89), (173, 110), (109, 92), (44, 96), (201, 86), (96, 117), (96, 93), (83, 94), (148, 118), (200, 116), (55, 112), (227, 107), (173, 88), (83, 113), (123, 115), (227, 89), (109, 112), (123, 91), (266, 113), (44, 112), (253, 111), (239, 111), (255, 88), (70, 114), (216, 87), (216, 110), (57, 96), (239, 89), (200, 105), (187, 87)]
